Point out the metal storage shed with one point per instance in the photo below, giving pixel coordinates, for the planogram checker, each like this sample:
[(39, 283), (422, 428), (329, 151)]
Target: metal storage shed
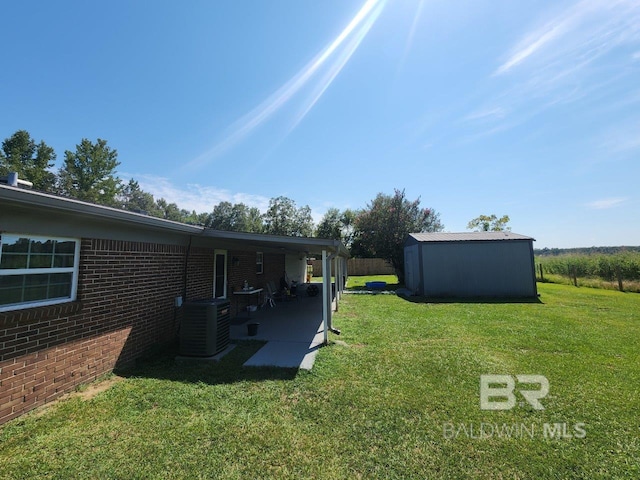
[(470, 264)]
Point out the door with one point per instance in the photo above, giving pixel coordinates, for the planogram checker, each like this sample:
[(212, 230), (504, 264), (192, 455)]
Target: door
[(220, 274)]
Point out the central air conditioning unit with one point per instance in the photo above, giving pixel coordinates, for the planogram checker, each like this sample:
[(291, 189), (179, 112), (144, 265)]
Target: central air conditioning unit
[(205, 329)]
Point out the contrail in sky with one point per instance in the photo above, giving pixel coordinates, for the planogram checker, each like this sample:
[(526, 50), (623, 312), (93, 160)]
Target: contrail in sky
[(350, 38)]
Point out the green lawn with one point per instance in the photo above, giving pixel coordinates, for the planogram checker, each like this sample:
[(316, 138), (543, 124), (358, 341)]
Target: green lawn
[(396, 396)]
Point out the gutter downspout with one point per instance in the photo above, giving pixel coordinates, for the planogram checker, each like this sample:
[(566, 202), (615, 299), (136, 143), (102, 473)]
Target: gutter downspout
[(184, 287), (338, 274), (326, 294)]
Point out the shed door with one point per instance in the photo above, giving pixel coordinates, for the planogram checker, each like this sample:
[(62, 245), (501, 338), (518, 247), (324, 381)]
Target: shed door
[(220, 274)]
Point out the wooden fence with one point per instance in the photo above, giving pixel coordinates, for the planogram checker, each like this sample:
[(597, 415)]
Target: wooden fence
[(360, 266)]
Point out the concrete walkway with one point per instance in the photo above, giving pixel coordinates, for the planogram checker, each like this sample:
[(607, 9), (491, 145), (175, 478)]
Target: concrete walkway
[(292, 329)]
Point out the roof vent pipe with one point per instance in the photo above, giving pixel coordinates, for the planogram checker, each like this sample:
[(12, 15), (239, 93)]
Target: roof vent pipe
[(13, 181)]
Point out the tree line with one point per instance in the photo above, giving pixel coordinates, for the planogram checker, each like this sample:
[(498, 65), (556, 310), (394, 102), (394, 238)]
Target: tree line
[(554, 252), (88, 173)]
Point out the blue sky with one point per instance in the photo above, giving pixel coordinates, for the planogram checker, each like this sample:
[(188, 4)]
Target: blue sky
[(527, 108)]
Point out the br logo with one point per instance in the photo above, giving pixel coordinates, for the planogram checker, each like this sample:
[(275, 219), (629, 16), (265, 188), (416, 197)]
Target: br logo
[(496, 391)]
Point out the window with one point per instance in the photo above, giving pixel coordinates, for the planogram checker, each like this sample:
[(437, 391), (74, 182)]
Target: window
[(37, 271), (259, 264)]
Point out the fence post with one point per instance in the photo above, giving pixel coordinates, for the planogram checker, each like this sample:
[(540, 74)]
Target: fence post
[(541, 273), (619, 276)]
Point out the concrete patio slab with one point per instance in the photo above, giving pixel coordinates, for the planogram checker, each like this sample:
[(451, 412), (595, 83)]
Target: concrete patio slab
[(285, 355), (292, 329)]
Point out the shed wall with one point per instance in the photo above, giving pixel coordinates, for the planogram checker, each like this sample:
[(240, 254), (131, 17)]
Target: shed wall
[(412, 267), (478, 269)]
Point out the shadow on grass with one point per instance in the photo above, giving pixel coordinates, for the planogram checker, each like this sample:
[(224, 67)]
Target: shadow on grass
[(161, 364), (419, 299), (388, 287)]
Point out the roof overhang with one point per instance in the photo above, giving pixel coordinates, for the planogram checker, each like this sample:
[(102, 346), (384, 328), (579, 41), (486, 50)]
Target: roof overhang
[(275, 243), (38, 202)]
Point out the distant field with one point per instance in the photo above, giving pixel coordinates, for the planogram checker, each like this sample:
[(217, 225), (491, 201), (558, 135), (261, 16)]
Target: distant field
[(608, 271), (396, 396)]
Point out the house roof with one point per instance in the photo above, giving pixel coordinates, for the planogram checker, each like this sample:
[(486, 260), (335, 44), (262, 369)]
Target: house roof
[(33, 199), (467, 236), (281, 243), (29, 200)]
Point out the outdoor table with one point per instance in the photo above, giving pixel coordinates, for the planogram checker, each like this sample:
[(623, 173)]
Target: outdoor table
[(248, 293)]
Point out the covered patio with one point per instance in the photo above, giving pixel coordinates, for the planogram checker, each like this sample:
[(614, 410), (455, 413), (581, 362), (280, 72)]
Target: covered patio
[(293, 329)]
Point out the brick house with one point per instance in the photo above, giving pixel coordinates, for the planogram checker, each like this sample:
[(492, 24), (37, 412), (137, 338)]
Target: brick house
[(85, 288)]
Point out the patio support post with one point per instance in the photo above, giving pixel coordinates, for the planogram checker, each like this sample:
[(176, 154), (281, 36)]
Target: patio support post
[(326, 295), (338, 275), (345, 272)]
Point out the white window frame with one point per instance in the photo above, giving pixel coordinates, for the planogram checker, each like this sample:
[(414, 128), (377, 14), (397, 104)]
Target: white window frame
[(260, 262), (38, 271)]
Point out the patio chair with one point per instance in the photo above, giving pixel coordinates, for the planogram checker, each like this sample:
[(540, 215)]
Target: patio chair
[(269, 298), (288, 290), (282, 294)]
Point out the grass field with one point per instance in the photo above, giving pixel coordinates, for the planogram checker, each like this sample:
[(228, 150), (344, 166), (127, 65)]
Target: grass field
[(395, 396)]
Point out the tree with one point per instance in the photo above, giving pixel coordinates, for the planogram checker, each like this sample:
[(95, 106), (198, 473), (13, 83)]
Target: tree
[(383, 226), (170, 211), (198, 218), (135, 199), (235, 218), (489, 223), (330, 225), (348, 219), (337, 225), (254, 221), (21, 154), (222, 217), (284, 218), (89, 173)]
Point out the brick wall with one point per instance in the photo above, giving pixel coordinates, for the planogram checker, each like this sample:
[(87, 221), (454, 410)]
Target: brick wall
[(244, 268), (125, 304), (126, 294)]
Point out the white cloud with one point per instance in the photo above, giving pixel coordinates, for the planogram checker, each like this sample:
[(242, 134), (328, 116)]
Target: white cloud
[(487, 114), (202, 198), (578, 36), (531, 45), (605, 203), (196, 197), (622, 138), (572, 56)]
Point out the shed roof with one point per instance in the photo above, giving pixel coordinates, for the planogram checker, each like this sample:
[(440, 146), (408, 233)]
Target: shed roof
[(467, 236)]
